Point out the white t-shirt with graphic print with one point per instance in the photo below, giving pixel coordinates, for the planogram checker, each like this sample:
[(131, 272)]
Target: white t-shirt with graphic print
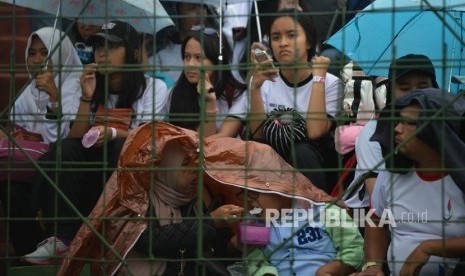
[(283, 94)]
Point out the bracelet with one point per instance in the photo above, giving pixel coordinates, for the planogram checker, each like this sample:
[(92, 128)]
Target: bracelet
[(319, 79), (369, 264), (52, 105), (84, 100), (212, 112), (113, 133)]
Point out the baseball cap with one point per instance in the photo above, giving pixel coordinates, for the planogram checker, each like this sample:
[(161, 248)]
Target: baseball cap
[(410, 63), (117, 31)]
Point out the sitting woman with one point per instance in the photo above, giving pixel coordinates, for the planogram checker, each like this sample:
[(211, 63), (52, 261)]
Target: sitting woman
[(304, 92), (324, 241), (169, 236), (44, 111), (53, 89), (107, 86), (225, 103)]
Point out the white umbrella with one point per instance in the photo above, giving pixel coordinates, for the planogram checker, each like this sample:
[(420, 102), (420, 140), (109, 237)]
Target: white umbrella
[(147, 16)]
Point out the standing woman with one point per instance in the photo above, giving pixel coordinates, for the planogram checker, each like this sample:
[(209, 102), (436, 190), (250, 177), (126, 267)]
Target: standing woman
[(109, 84), (303, 84), (225, 100)]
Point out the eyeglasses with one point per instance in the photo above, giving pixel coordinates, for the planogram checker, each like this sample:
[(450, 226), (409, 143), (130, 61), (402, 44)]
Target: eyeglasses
[(206, 30), (250, 194), (100, 45)]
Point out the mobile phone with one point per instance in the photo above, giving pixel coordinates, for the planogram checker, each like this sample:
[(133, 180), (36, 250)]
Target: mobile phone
[(262, 56)]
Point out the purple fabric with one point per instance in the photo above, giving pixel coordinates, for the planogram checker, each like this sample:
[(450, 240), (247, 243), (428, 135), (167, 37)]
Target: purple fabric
[(15, 164)]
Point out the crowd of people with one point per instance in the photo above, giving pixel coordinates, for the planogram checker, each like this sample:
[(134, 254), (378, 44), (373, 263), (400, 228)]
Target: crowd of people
[(133, 135)]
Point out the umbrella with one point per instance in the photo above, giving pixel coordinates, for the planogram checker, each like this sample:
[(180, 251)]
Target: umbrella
[(387, 30), (147, 16)]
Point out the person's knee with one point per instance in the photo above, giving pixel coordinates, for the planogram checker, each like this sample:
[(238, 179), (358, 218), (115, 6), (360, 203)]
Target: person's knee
[(307, 156), (310, 163), (115, 152), (69, 148)]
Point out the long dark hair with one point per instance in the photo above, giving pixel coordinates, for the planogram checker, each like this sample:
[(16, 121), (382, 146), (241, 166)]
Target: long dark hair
[(266, 11), (307, 24), (134, 83), (184, 109)]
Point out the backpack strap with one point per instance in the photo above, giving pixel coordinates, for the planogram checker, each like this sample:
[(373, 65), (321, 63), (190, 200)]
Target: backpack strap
[(341, 186), (380, 92)]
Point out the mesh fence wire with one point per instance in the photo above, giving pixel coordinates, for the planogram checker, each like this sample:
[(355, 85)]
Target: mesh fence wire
[(32, 208)]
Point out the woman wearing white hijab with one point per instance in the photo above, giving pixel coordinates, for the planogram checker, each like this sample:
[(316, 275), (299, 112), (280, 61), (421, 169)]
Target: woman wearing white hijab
[(46, 107), (53, 94)]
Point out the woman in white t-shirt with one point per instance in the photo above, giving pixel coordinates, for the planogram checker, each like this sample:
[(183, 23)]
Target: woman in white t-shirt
[(203, 90), (108, 84), (168, 60), (37, 108), (305, 87)]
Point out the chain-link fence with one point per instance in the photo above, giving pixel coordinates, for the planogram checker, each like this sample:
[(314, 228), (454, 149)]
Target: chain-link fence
[(146, 137)]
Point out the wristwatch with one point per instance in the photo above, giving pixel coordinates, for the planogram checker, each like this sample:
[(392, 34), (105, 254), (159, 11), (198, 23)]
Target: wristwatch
[(368, 264), (319, 79)]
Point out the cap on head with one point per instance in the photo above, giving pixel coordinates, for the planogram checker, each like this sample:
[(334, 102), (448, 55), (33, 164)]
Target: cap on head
[(411, 62), (117, 31)]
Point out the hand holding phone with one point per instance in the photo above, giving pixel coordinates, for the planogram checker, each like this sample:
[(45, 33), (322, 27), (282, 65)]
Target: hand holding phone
[(262, 56)]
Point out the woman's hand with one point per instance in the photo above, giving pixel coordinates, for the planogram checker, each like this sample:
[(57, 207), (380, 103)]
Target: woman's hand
[(103, 136), (370, 271), (226, 215), (209, 97), (415, 261), (262, 71), (320, 65), (334, 268), (46, 83), (88, 81)]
